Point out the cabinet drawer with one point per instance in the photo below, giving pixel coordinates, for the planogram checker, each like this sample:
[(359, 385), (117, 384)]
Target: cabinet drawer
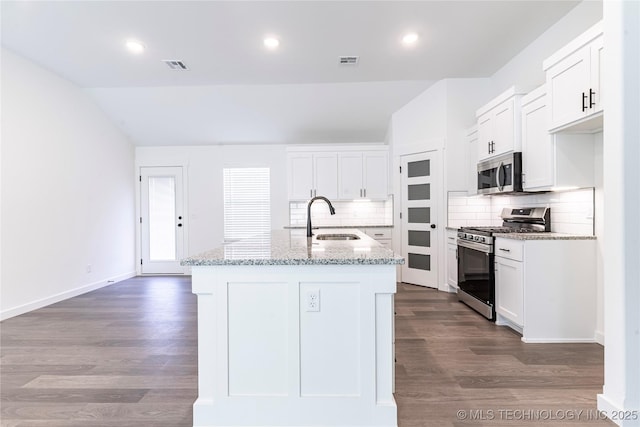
[(385, 243), (510, 249), (378, 233)]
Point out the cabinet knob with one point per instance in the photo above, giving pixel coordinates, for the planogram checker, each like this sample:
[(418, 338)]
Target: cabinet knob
[(433, 226)]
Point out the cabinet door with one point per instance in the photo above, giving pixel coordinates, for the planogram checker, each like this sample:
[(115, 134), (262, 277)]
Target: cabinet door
[(472, 163), (537, 146), (597, 61), (567, 82), (452, 265), (509, 290), (375, 174), (485, 136), (350, 176), (503, 128), (325, 175), (300, 176)]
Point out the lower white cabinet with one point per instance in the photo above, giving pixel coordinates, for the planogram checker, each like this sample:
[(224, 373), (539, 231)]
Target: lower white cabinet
[(452, 258), (546, 289), (509, 290), (381, 235)]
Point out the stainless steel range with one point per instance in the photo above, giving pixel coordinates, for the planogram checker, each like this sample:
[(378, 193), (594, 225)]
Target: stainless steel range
[(476, 279)]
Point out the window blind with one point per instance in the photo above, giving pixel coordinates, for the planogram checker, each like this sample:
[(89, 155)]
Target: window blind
[(247, 202)]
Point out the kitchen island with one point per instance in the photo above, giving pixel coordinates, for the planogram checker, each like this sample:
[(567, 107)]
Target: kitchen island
[(295, 331)]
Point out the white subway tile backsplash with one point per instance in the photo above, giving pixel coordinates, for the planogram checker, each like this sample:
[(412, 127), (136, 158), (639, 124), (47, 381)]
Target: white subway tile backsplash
[(347, 213), (571, 211)]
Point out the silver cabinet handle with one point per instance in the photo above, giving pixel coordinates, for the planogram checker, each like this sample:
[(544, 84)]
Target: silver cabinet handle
[(505, 250), (365, 192), (311, 193), (378, 234), (361, 192)]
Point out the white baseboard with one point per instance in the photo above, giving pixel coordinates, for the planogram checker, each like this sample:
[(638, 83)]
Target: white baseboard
[(558, 340), (34, 305), (600, 337), (608, 407)]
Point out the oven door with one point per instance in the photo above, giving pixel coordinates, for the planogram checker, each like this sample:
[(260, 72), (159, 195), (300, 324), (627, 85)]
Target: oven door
[(476, 279)]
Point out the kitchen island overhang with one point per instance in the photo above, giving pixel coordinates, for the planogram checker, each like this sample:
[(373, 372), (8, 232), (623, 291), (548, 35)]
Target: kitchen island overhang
[(295, 332)]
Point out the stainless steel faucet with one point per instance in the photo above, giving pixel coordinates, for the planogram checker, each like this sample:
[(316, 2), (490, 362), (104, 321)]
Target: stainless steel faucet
[(331, 209)]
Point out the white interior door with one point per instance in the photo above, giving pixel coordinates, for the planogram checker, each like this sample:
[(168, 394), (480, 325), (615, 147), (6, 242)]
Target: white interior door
[(162, 220), (419, 220)]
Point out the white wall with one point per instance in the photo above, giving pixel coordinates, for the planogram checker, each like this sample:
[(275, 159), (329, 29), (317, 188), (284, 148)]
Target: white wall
[(67, 191), (621, 156), (204, 165), (525, 69)]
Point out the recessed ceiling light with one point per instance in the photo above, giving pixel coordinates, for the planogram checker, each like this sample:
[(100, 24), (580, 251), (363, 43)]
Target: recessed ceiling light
[(271, 42), (135, 46), (410, 39)]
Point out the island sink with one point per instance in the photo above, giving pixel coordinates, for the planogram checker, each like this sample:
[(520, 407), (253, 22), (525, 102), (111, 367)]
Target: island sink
[(337, 237)]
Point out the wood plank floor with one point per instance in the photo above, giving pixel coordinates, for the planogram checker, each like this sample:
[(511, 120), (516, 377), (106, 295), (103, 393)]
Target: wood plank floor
[(126, 355)]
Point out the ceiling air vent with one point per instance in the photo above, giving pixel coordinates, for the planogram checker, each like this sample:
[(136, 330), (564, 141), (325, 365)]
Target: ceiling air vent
[(175, 64), (348, 60)]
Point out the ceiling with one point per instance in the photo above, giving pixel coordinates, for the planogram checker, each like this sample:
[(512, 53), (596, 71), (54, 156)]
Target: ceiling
[(237, 91)]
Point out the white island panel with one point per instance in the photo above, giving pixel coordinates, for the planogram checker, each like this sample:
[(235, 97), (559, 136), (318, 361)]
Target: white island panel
[(265, 360), (258, 343), (330, 340)]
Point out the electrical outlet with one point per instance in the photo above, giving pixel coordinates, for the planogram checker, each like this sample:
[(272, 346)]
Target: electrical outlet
[(313, 300)]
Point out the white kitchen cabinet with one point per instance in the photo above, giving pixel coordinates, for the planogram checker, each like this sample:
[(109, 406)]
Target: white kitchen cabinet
[(509, 281), (499, 125), (573, 77), (552, 161), (546, 289), (383, 236), (452, 258), (363, 175), (312, 174), (472, 161)]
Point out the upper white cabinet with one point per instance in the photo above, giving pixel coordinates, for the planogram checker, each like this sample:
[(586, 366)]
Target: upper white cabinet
[(345, 174), (574, 82), (552, 161), (472, 161), (499, 125), (363, 175), (312, 174)]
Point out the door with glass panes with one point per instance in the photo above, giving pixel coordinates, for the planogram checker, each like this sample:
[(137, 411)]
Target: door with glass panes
[(419, 219), (162, 220)]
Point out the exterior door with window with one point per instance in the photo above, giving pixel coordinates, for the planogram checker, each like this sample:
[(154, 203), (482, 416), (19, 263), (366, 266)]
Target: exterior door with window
[(162, 220), (419, 220)]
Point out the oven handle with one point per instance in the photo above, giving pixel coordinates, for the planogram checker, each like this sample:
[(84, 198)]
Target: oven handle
[(475, 246), (499, 184)]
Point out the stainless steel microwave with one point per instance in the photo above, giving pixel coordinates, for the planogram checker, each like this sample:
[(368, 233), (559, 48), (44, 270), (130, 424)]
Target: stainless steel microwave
[(501, 174)]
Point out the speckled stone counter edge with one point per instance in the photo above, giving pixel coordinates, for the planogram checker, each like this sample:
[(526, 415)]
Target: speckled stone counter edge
[(291, 247), (543, 236)]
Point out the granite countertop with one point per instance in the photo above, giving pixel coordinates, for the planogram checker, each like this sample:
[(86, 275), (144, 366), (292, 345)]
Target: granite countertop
[(544, 236), (323, 227), (291, 247)]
